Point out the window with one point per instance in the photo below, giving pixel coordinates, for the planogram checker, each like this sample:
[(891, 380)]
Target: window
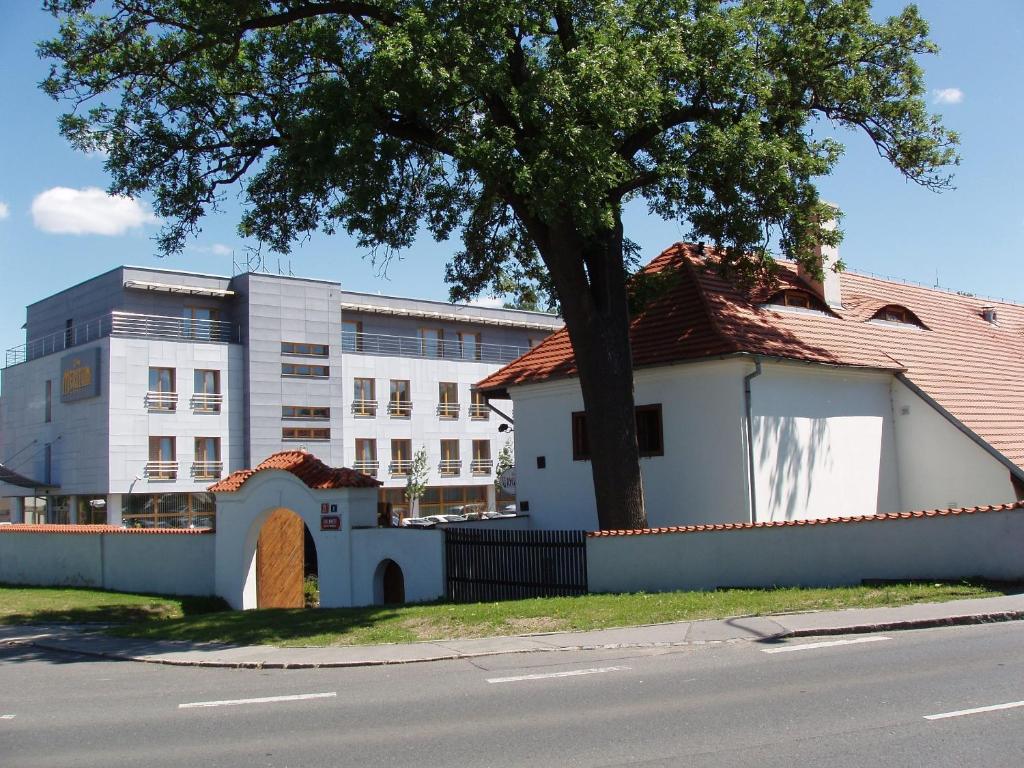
[(451, 499), (48, 464), (305, 371), (161, 395), (206, 397), (432, 342), (207, 464), (305, 433), (68, 332), (481, 457), (366, 456), (469, 346), (199, 323), (401, 457), (649, 435), (448, 400), (163, 463), (302, 348), (792, 297), (894, 313), (478, 409), (400, 404), (351, 335), (48, 415), (364, 398), (305, 412), (450, 463), (92, 510), (168, 510)]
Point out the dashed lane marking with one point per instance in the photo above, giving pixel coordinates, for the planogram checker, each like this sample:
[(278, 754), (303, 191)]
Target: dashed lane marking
[(263, 700), (546, 675), (825, 644), (975, 710)]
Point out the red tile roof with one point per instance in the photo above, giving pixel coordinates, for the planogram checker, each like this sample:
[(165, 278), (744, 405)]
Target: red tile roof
[(970, 367), (79, 529), (819, 521), (305, 466)]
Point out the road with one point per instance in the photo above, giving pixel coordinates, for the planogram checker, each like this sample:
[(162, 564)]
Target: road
[(860, 701)]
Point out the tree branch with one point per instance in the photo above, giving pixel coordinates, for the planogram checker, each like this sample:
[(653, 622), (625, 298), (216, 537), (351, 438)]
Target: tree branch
[(678, 116)]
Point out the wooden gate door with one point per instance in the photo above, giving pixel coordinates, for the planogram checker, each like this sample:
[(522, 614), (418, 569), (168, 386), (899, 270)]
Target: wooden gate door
[(280, 559)]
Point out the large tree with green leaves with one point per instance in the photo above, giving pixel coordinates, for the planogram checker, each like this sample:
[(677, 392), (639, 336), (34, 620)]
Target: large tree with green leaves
[(523, 128)]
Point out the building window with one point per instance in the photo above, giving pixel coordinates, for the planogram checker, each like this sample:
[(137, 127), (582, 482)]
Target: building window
[(318, 412), (450, 465), (649, 434), (400, 403), (306, 433), (469, 346), (481, 457), (401, 457), (162, 395), (48, 464), (301, 370), (438, 500), (48, 415), (894, 313), (448, 400), (364, 398), (168, 510), (351, 335), (478, 410), (432, 342), (92, 510), (207, 464), (206, 397), (198, 323), (366, 456), (163, 463), (307, 350), (68, 332)]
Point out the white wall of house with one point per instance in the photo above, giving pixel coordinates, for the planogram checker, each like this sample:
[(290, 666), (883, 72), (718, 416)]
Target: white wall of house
[(419, 553), (939, 465)]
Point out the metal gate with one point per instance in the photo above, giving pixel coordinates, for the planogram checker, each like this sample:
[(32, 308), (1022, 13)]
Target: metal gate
[(485, 565)]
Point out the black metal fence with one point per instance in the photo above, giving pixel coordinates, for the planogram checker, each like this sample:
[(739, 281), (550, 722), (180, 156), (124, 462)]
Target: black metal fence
[(509, 565)]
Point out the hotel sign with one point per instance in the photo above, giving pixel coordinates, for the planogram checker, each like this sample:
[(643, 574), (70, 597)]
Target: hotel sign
[(80, 375)]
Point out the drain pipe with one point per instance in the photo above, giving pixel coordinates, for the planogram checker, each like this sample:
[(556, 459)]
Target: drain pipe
[(750, 436)]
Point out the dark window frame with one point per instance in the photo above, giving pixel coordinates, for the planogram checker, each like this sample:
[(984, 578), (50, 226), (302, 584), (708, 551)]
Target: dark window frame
[(581, 441)]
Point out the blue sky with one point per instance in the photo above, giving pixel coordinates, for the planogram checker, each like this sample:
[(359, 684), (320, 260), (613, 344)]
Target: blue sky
[(970, 238)]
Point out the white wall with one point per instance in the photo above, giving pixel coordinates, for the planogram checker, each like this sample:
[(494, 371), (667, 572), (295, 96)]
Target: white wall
[(161, 563), (989, 545), (419, 553), (939, 465), (823, 443)]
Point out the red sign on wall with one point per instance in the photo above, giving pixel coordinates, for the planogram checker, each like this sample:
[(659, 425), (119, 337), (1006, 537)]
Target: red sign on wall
[(330, 523)]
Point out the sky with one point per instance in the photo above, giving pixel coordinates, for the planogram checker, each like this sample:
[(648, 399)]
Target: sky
[(58, 227)]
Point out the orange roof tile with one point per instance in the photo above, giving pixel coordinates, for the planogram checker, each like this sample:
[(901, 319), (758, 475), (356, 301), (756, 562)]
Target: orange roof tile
[(79, 529), (305, 466), (969, 366)]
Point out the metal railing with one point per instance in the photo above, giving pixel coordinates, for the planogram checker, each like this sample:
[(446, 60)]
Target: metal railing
[(479, 412), (481, 466), (448, 410), (161, 401), (367, 467), (415, 346), (117, 323), (207, 470), (364, 408), (450, 467), (400, 408), (206, 402), (400, 466), (162, 470)]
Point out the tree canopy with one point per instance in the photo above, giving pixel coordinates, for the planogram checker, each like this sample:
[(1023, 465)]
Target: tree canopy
[(520, 128)]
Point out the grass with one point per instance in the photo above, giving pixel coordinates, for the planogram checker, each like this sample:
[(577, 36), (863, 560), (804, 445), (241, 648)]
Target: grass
[(203, 619)]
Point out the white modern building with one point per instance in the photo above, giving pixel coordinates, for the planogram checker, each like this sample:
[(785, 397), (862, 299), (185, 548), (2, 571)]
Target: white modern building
[(137, 389)]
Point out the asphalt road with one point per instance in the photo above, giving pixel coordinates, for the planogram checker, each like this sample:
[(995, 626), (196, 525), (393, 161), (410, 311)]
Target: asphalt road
[(859, 703)]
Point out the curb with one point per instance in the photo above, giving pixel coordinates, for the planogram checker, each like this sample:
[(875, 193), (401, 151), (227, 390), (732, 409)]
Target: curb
[(889, 626)]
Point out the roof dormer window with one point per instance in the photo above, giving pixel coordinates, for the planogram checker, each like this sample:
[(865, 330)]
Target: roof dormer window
[(794, 298), (894, 313)]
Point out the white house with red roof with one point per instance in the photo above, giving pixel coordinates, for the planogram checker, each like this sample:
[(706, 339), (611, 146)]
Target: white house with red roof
[(859, 396)]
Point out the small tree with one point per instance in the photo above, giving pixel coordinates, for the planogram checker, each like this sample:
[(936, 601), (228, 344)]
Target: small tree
[(506, 461), (416, 482)]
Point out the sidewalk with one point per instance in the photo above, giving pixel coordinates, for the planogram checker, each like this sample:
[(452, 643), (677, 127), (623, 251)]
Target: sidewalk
[(91, 642)]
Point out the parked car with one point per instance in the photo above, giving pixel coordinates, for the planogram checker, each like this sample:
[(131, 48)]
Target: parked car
[(418, 522)]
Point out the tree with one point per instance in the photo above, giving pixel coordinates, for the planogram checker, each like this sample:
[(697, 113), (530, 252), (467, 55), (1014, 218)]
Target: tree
[(523, 126), (416, 481)]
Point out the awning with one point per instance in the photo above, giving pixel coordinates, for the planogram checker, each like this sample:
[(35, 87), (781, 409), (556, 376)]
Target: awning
[(11, 477), (192, 290)]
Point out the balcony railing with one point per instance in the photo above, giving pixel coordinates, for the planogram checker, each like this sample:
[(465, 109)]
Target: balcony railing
[(207, 470), (479, 412), (400, 466), (364, 408), (414, 346), (162, 401), (206, 402), (400, 408), (481, 466), (367, 467), (162, 470), (450, 467), (448, 410), (117, 323)]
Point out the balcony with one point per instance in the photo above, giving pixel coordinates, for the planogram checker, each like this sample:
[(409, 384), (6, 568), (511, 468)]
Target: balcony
[(448, 410), (479, 412), (162, 470), (450, 467), (414, 346), (206, 402), (369, 467), (162, 401), (481, 466), (207, 470), (400, 467), (400, 409), (365, 408), (117, 323)]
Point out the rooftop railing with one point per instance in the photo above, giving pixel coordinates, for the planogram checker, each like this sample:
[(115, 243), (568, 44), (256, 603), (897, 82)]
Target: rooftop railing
[(438, 349), (117, 323)]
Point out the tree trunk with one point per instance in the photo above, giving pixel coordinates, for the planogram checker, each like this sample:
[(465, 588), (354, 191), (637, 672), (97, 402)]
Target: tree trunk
[(595, 309)]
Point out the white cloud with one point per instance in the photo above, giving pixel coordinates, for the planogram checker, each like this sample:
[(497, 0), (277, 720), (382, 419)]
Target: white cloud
[(5, 211), (947, 96), (217, 249), (89, 211), (487, 301)]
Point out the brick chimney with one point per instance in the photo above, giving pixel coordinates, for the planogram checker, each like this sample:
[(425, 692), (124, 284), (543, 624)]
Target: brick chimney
[(828, 287)]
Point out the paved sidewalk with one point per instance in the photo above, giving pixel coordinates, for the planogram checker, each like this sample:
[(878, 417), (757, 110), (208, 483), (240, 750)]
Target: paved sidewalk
[(91, 642)]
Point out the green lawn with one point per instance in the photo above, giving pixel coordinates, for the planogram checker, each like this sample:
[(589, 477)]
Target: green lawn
[(199, 619)]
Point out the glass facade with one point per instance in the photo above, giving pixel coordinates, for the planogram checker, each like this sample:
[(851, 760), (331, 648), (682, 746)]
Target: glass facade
[(169, 510)]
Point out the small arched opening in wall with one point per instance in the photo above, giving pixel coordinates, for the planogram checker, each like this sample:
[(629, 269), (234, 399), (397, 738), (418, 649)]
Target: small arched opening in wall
[(286, 562), (388, 584)]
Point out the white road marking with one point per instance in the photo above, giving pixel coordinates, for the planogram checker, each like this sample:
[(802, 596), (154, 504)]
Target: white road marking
[(263, 700), (975, 711), (546, 675), (825, 644), (6, 717)]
